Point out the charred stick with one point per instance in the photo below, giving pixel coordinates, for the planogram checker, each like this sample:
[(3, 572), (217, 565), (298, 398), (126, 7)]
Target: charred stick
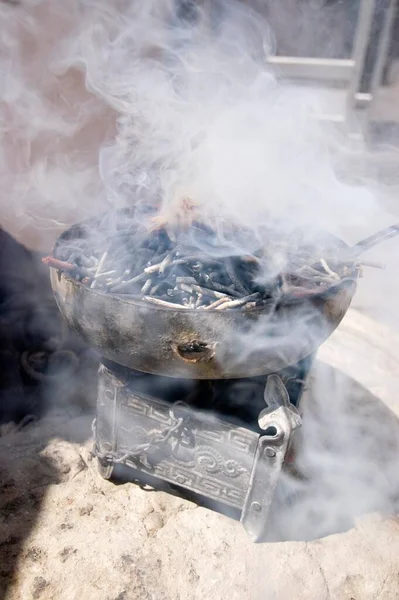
[(153, 268), (211, 293), (199, 300), (185, 288), (155, 288), (156, 259), (119, 279), (101, 263), (165, 263), (125, 284), (163, 303), (207, 261), (99, 269), (218, 287), (104, 275), (186, 280), (202, 290), (237, 303), (250, 305), (146, 287), (229, 265), (197, 267), (217, 303), (160, 266)]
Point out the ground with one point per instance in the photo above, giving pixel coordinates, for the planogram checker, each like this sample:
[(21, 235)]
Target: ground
[(67, 534)]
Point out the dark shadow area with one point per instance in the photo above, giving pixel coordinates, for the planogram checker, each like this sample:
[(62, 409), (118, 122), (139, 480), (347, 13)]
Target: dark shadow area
[(123, 474), (43, 368), (38, 353)]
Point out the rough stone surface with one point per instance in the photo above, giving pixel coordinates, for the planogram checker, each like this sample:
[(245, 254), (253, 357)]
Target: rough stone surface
[(65, 533)]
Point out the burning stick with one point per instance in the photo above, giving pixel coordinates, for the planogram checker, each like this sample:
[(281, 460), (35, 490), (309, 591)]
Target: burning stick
[(68, 267), (61, 265)]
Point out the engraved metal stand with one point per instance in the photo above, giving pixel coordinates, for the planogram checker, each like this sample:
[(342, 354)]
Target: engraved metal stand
[(196, 450)]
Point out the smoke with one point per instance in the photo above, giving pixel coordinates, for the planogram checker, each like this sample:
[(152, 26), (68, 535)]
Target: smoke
[(201, 115), (197, 113), (51, 126), (108, 104)]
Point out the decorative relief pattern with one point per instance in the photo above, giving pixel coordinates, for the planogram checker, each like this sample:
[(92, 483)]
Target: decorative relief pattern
[(207, 455)]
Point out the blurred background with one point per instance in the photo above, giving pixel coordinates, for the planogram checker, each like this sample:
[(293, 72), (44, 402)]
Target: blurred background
[(348, 47)]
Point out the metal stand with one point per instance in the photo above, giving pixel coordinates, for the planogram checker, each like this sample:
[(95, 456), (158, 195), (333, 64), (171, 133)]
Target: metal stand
[(196, 450)]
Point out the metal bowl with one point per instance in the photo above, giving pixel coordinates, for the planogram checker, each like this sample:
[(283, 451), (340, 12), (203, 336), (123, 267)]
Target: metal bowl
[(192, 343)]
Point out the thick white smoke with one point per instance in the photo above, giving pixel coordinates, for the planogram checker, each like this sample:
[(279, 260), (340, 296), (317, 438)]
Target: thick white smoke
[(105, 103), (51, 127), (198, 113), (201, 115)]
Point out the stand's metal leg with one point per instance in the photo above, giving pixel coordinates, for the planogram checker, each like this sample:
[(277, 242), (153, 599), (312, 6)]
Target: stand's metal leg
[(105, 468), (278, 421)]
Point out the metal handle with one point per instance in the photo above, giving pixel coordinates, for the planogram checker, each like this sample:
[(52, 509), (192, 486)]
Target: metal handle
[(376, 238), (194, 351)]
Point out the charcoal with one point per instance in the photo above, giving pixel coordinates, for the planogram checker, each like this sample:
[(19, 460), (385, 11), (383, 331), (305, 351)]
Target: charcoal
[(196, 268)]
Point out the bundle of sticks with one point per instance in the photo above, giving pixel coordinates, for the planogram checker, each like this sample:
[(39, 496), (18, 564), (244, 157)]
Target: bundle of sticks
[(190, 267)]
